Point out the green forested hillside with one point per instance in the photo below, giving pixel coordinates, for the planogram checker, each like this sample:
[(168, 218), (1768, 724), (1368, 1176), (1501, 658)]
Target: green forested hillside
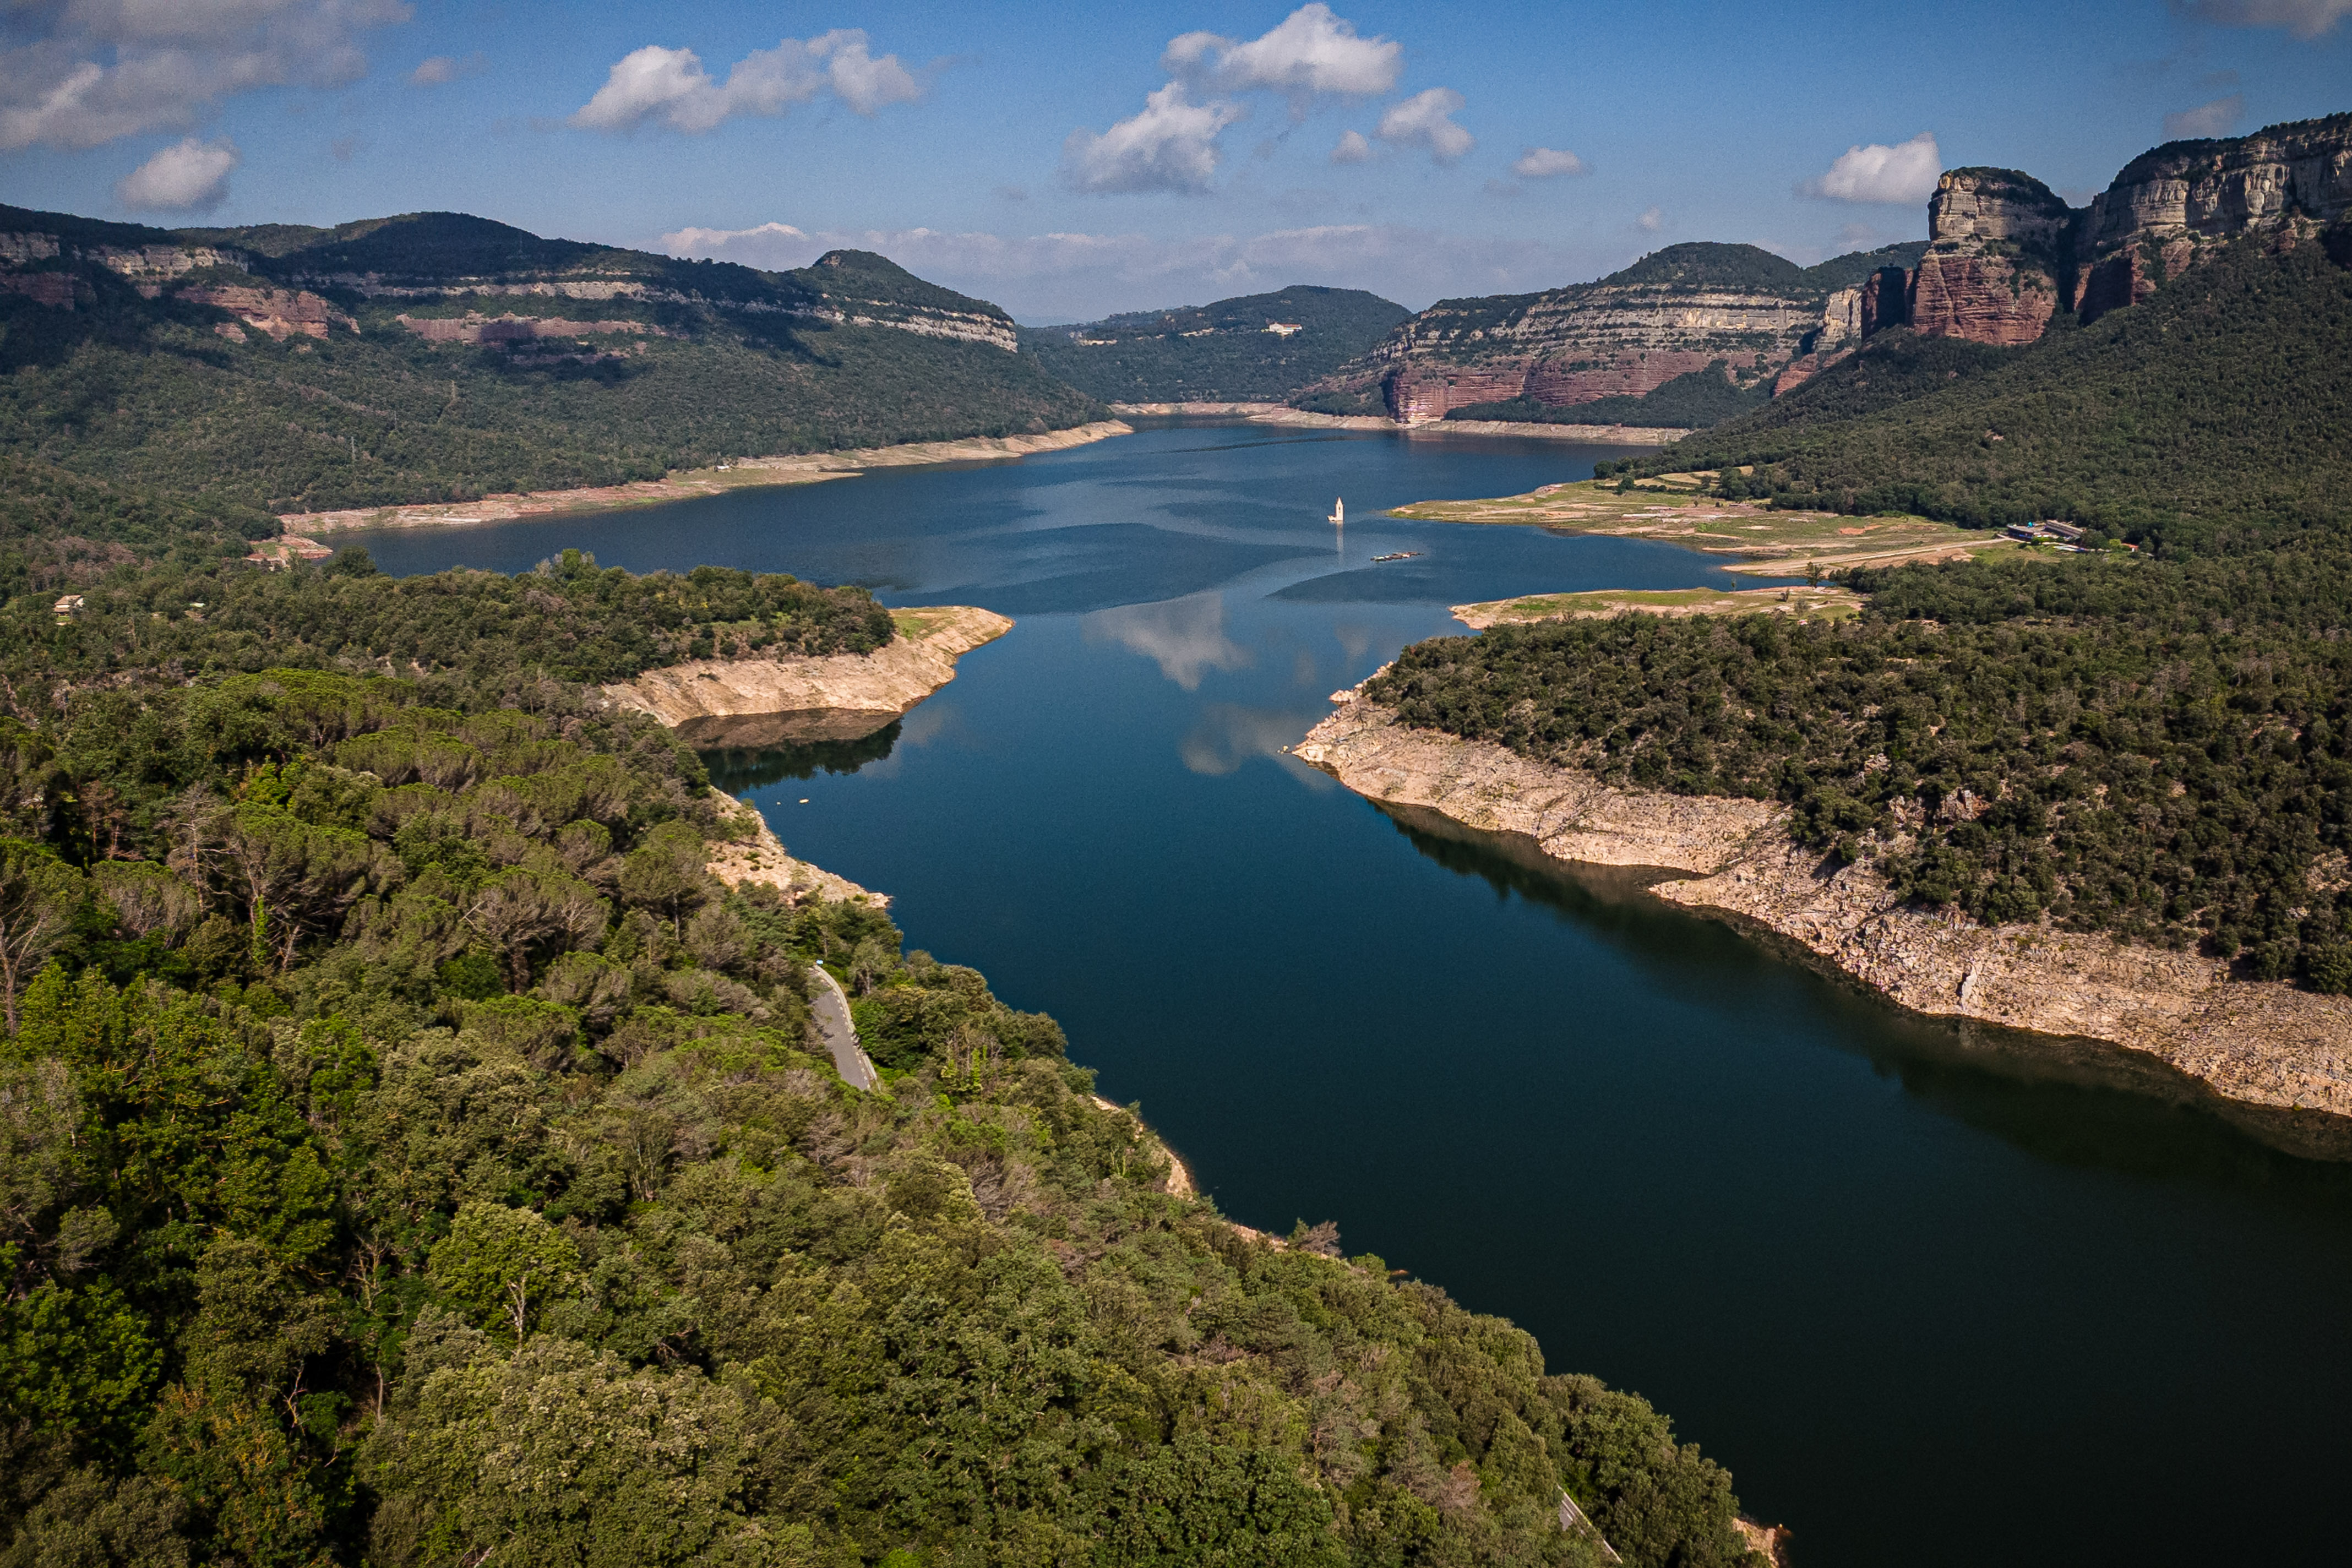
[(1219, 352), (2161, 749), (660, 365), (410, 1154), (2222, 401), (565, 621), (58, 528)]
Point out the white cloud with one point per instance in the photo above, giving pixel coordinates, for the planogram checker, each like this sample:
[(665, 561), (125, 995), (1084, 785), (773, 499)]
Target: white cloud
[(92, 71), (771, 247), (1352, 149), (435, 69), (1170, 146), (1905, 172), (2304, 18), (1549, 162), (1650, 221), (1311, 52), (2214, 119), (1424, 119), (188, 175), (670, 86)]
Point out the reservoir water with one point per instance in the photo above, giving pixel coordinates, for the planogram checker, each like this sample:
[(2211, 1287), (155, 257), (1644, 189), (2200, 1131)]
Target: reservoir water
[(1935, 1296)]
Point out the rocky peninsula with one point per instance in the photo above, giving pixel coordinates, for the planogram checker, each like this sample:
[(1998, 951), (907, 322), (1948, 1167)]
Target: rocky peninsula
[(752, 702), (2276, 1059)]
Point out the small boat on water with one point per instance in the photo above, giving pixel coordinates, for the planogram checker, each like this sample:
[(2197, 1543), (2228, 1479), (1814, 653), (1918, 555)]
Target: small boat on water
[(1338, 517), (1397, 555)]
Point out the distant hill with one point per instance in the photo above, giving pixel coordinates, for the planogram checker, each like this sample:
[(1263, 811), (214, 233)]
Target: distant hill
[(1259, 347), (440, 356), (1728, 315)]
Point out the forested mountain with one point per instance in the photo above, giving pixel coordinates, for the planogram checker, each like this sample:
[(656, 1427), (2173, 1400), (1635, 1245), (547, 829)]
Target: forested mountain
[(438, 356), (1257, 348), (412, 1154)]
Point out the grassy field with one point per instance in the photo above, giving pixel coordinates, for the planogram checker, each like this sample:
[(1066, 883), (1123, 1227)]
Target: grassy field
[(1771, 543), (1806, 604)]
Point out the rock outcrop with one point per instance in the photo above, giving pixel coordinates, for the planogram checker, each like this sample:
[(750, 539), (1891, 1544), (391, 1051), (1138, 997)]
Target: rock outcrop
[(1997, 266), (2167, 207), (756, 855), (2006, 255), (1673, 312), (755, 702), (2280, 1058), (281, 312)]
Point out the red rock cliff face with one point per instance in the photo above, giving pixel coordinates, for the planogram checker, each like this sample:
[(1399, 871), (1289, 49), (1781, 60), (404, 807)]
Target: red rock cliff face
[(281, 312), (1993, 272)]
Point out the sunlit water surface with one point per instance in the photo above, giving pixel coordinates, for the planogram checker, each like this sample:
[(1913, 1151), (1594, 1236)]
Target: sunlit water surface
[(1935, 1296)]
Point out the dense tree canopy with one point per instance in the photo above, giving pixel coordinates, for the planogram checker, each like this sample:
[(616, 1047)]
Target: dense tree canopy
[(411, 1154), (2161, 749), (567, 620)]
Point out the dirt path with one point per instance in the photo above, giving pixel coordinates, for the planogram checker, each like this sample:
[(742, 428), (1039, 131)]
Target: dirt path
[(831, 1010)]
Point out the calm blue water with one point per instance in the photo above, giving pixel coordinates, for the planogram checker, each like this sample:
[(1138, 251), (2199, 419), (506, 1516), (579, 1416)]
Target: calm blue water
[(1934, 1296)]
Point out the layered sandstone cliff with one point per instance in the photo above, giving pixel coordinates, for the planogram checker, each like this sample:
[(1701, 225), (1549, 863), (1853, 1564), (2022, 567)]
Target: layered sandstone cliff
[(2262, 1045), (2006, 255), (756, 702), (1676, 311), (1996, 267), (2168, 207)]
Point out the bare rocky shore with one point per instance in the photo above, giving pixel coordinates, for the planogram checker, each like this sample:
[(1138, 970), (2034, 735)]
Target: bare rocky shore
[(754, 702), (808, 467), (2279, 1059)]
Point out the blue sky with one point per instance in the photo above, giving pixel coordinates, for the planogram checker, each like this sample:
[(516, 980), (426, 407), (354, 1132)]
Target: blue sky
[(1066, 161)]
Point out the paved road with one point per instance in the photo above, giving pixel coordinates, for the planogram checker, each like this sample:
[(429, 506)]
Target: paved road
[(831, 1009)]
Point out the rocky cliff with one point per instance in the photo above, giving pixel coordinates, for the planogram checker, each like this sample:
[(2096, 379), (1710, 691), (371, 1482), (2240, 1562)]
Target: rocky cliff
[(2278, 1058), (2170, 206), (2006, 255), (1998, 265), (1677, 311)]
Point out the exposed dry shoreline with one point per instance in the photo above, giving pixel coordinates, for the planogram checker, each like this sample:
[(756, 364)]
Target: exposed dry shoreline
[(2279, 1058), (751, 472), (1282, 414), (753, 702), (761, 857)]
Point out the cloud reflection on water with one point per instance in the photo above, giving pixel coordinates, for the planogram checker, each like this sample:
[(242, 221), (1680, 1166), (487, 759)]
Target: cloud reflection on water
[(1186, 637), (1226, 735)]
